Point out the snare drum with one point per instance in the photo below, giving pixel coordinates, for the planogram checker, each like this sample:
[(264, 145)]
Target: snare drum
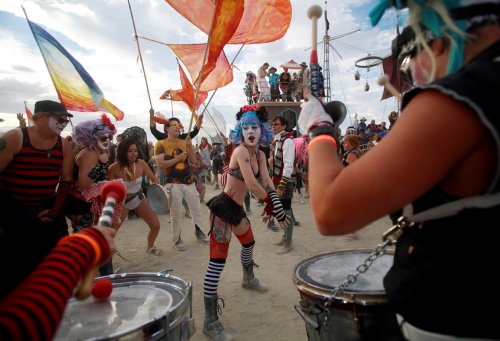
[(360, 312), (142, 306), (158, 199)]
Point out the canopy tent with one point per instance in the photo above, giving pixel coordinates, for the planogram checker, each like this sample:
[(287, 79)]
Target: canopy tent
[(291, 64)]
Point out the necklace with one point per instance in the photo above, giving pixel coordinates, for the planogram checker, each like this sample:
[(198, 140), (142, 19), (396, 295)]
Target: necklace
[(130, 175)]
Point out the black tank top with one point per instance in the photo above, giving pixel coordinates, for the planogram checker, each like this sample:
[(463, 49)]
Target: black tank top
[(441, 277)]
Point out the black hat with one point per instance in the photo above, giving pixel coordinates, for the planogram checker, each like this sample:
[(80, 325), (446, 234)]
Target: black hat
[(304, 64), (273, 68), (51, 107)]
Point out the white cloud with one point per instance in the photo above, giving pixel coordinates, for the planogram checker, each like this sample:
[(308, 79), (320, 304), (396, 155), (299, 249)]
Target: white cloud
[(99, 34)]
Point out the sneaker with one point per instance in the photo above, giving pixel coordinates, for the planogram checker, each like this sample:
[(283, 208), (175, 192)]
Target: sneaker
[(180, 246)]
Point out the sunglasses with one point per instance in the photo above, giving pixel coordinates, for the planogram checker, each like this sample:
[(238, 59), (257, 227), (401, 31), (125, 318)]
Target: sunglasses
[(60, 120), (105, 138)]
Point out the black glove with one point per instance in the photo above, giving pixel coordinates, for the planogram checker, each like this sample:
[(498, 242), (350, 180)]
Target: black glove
[(274, 207)]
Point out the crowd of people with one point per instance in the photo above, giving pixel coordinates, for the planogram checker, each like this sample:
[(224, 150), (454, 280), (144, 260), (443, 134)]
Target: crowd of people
[(447, 187), (269, 86)]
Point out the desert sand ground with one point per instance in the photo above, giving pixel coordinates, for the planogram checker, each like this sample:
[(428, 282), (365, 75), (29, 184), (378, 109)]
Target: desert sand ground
[(247, 315)]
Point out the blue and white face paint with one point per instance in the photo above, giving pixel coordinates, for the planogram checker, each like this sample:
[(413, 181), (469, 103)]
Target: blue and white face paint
[(251, 134), (57, 124)]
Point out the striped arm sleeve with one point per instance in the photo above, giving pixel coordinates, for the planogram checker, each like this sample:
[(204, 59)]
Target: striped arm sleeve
[(34, 309)]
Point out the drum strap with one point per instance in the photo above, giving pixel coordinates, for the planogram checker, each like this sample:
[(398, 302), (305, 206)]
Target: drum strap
[(413, 333), (452, 208)]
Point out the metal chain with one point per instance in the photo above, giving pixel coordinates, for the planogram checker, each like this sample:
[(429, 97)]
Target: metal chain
[(389, 238)]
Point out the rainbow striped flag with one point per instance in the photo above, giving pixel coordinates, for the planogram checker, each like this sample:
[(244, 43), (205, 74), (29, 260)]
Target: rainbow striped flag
[(75, 87), (29, 114)]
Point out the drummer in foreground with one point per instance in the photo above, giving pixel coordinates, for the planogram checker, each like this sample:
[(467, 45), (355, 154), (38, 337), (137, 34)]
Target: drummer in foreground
[(34, 309), (247, 172), (441, 161)]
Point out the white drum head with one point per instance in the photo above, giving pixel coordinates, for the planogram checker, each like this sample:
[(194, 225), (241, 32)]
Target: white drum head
[(137, 300), (157, 198)]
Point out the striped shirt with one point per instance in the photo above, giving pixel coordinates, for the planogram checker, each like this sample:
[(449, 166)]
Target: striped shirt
[(33, 310), (33, 174)]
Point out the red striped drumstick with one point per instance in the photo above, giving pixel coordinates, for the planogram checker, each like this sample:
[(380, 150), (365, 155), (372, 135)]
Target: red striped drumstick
[(314, 13), (112, 192)]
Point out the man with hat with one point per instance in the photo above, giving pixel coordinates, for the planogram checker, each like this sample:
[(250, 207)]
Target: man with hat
[(36, 168), (304, 81)]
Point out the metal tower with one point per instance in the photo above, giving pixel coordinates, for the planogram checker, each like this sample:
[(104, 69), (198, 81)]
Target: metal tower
[(326, 55)]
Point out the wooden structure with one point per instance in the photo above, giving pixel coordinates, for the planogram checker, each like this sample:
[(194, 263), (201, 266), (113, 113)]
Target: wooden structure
[(290, 110)]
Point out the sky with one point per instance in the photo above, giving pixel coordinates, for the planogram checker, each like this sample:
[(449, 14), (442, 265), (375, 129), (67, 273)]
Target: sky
[(100, 35)]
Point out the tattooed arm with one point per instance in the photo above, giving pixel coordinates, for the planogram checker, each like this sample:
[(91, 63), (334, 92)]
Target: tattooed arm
[(10, 145)]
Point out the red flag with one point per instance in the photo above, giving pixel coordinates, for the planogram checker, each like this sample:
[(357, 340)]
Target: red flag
[(187, 94)]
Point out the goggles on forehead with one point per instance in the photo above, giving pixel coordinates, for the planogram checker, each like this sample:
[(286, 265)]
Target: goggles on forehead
[(405, 44)]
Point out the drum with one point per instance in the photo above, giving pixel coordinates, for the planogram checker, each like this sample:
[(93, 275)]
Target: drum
[(142, 306), (360, 312), (158, 199)]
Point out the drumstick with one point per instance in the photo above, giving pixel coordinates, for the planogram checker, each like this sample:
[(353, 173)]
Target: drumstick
[(314, 13), (112, 192), (384, 81)]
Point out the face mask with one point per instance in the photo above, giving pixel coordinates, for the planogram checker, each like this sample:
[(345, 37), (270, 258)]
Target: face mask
[(251, 134), (58, 124)]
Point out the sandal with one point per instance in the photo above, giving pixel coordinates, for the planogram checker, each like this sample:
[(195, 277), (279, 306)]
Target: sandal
[(155, 251)]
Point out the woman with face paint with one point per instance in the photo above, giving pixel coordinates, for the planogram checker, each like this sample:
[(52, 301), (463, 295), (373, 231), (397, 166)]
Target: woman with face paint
[(441, 162), (131, 170), (91, 166), (247, 172), (93, 139)]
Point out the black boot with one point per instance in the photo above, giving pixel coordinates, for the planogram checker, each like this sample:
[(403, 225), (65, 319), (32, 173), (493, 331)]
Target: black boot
[(212, 326), (250, 281)]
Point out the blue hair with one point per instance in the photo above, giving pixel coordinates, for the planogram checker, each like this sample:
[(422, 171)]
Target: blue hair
[(434, 21), (250, 117)]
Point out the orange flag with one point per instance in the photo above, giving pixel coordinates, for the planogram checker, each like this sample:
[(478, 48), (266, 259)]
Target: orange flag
[(263, 21), (225, 22), (191, 56)]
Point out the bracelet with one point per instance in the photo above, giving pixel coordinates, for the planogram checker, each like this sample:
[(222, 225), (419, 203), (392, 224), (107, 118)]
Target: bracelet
[(325, 138), (93, 243)]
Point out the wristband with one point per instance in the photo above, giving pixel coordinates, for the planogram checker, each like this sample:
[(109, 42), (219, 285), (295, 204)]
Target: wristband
[(322, 138), (321, 129)]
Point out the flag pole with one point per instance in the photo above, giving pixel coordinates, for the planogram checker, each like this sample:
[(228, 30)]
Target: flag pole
[(213, 93), (202, 66), (140, 55)]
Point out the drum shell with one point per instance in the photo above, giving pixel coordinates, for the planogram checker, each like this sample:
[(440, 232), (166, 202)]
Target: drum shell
[(174, 323), (352, 315)]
